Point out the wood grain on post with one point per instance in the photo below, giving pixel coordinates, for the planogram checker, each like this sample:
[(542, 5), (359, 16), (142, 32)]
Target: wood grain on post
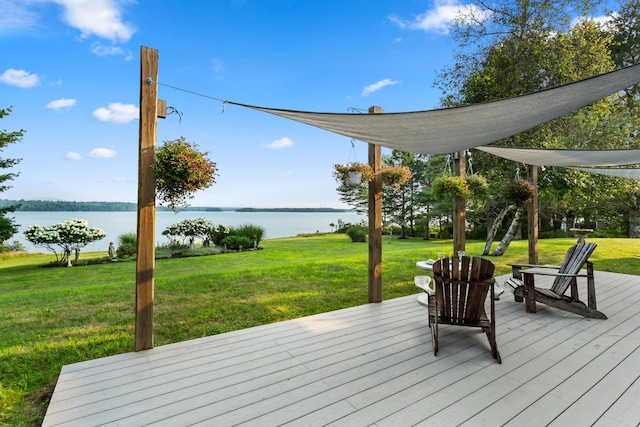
[(145, 261), (375, 220)]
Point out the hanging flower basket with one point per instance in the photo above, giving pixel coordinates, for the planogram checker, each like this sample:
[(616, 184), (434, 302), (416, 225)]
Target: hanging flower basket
[(395, 176), (347, 174), (449, 185), (519, 192), (180, 170), (478, 187)]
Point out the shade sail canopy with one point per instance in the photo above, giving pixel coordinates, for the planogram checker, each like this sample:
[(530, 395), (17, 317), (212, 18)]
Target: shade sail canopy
[(454, 129), (566, 158), (628, 173)]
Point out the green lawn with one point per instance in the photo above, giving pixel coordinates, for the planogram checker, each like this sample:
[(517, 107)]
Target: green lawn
[(51, 317)]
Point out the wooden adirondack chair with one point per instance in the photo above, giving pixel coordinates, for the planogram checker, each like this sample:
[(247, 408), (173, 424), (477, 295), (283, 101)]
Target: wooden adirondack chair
[(523, 285), (461, 287)]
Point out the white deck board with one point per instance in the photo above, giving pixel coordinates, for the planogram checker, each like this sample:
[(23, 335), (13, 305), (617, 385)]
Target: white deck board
[(374, 365)]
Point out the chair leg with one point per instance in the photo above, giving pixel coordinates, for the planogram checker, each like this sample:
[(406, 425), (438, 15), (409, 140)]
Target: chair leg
[(434, 337), (494, 345)]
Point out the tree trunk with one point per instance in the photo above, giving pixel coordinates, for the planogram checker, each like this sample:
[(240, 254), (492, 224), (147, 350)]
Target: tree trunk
[(634, 223), (493, 230), (571, 223), (506, 240)]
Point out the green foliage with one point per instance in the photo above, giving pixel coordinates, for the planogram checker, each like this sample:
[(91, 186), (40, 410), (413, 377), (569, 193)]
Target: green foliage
[(253, 232), (130, 238), (357, 233), (7, 227), (478, 187), (453, 186), (126, 250), (519, 192), (236, 243), (180, 170), (217, 233)]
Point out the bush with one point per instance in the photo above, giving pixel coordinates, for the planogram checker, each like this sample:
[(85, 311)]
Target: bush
[(217, 234), (236, 242), (357, 234), (131, 238), (253, 232), (126, 250)]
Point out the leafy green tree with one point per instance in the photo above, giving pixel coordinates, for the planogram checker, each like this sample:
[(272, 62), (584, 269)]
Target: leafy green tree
[(512, 48), (71, 236), (7, 225)]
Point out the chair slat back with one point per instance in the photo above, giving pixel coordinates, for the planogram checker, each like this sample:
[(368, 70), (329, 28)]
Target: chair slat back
[(573, 262), (461, 286)]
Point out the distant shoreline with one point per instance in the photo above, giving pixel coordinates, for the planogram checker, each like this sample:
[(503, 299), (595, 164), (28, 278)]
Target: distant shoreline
[(63, 206)]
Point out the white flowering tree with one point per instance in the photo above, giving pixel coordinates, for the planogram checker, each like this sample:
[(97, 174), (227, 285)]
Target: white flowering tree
[(69, 236), (188, 230)]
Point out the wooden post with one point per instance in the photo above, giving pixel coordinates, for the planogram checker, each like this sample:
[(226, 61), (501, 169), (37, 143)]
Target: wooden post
[(145, 261), (375, 220), (532, 215), (459, 212)]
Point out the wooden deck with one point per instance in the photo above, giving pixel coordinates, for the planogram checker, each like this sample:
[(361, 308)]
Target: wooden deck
[(374, 365)]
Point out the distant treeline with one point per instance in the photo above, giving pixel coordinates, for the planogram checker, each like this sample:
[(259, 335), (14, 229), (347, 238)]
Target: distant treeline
[(290, 210), (62, 206)]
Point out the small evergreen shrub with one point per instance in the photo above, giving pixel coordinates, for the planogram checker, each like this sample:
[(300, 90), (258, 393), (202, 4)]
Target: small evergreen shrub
[(357, 234), (236, 242), (253, 232), (126, 250)]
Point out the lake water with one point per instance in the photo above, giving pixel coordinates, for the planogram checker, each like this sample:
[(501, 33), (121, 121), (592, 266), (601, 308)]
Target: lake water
[(275, 224)]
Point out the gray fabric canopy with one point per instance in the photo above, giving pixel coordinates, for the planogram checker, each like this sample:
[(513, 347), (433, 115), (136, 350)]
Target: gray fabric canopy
[(455, 129), (566, 158), (628, 173)]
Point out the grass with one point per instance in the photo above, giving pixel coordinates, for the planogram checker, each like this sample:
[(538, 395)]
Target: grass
[(51, 317)]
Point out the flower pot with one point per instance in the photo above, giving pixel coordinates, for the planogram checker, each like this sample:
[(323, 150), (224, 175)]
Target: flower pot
[(354, 178)]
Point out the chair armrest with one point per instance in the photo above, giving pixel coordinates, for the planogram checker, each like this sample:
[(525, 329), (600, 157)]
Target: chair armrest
[(533, 265), (546, 273)]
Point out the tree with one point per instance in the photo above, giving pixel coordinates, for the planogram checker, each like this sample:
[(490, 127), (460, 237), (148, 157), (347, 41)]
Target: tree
[(190, 229), (70, 235), (513, 48), (7, 226)]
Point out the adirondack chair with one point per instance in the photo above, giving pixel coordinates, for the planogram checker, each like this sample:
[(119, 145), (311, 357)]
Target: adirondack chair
[(523, 283), (461, 287)]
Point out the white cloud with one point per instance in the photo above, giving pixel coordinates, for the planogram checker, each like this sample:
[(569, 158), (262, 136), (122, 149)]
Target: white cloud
[(102, 153), (439, 19), (73, 156), (102, 18), (601, 21), (61, 103), (19, 78), (377, 86), (16, 16), (280, 143), (117, 113), (102, 50)]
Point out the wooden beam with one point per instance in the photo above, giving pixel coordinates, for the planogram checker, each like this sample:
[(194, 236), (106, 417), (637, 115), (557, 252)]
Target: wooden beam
[(145, 261), (532, 215), (459, 209), (375, 220)]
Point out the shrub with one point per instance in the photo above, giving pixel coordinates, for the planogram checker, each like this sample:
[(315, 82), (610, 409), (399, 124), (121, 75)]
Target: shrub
[(357, 233), (126, 250), (236, 242), (218, 233), (253, 232), (131, 238)]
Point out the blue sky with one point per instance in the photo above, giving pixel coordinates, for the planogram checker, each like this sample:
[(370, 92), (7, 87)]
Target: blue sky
[(70, 70)]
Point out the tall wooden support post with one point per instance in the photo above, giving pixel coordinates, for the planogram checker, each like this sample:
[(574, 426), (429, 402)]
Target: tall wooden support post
[(375, 220), (459, 211), (532, 215), (145, 261)]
